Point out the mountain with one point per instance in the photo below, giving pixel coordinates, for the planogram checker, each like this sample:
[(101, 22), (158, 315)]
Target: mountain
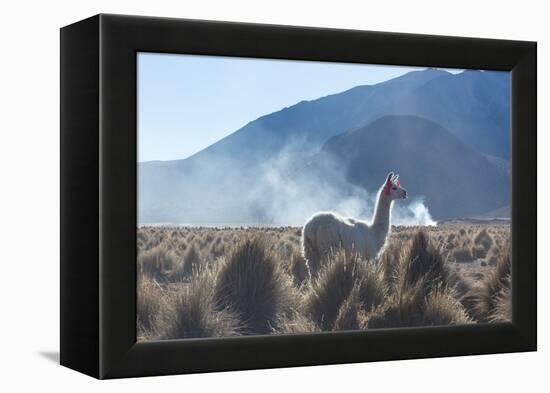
[(455, 180), (502, 214), (304, 127), (471, 106)]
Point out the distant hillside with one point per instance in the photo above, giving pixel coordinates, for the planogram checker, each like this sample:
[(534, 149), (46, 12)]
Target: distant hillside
[(472, 105), (455, 180), (304, 127), (502, 213), (217, 182)]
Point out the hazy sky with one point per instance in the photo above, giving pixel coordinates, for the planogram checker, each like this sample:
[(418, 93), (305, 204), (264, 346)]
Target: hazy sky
[(188, 102)]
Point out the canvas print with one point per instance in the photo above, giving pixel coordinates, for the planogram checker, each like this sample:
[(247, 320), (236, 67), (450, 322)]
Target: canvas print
[(291, 197)]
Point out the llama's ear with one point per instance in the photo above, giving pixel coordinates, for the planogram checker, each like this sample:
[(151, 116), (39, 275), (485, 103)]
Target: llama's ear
[(395, 178), (390, 175)]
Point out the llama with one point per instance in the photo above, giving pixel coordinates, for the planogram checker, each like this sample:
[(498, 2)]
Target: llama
[(326, 231)]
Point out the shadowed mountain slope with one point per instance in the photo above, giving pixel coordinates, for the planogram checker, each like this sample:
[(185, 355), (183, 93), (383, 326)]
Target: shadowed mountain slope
[(471, 108), (455, 180)]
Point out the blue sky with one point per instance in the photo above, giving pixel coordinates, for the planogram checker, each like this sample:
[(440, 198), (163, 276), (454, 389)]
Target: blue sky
[(188, 102)]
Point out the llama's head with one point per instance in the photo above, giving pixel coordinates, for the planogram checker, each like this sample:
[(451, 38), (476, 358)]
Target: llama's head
[(392, 188)]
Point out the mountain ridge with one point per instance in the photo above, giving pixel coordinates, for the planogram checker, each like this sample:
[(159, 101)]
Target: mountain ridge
[(297, 134), (414, 78), (454, 179)]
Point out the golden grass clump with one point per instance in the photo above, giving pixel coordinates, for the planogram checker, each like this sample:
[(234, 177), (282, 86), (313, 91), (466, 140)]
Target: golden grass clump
[(420, 260), (484, 239), (421, 290), (388, 260), (502, 311), (348, 313), (298, 268), (252, 285), (343, 275), (331, 288), (412, 307), (191, 259), (190, 262), (491, 300), (156, 262), (463, 254), (369, 290), (191, 312), (295, 323), (443, 308), (148, 306), (401, 309)]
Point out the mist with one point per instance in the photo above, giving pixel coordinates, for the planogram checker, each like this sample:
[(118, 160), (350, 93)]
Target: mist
[(289, 195), (283, 191), (275, 170)]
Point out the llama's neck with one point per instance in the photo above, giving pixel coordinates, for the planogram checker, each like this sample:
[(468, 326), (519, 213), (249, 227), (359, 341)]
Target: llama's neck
[(381, 219)]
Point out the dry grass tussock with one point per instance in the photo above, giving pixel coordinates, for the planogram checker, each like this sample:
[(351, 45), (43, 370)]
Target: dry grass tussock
[(251, 283), (491, 300), (149, 304), (422, 288), (193, 313), (215, 282), (345, 285)]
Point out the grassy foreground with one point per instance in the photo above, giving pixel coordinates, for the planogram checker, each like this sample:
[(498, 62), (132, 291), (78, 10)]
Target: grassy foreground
[(215, 282)]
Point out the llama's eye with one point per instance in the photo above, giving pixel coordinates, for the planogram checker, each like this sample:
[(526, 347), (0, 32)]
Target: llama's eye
[(394, 188)]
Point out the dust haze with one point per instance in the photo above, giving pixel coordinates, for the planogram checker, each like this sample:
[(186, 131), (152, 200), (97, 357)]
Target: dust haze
[(285, 190)]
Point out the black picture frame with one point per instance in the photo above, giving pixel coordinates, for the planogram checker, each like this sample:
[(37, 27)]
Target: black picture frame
[(98, 195)]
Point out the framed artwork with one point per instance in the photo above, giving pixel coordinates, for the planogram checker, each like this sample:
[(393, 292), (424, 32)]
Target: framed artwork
[(238, 196)]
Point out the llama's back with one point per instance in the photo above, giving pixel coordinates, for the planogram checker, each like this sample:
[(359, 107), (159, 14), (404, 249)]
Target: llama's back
[(321, 233)]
